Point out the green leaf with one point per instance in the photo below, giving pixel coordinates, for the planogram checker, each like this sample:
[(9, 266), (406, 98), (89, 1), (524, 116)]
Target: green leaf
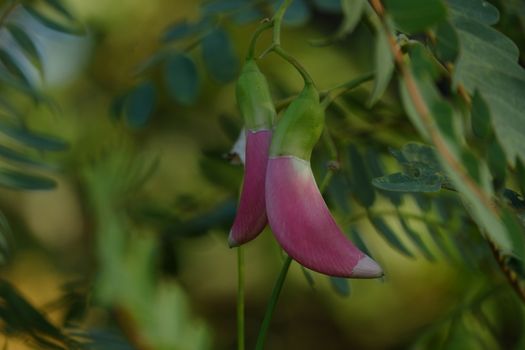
[(497, 161), (416, 239), (219, 56), (413, 16), (476, 10), (182, 79), (14, 68), (10, 154), (340, 285), (139, 104), (389, 235), (216, 7), (328, 6), (5, 238), (516, 232), (400, 182), (488, 65), (383, 65), (352, 11), (358, 241), (71, 28), (439, 240), (308, 277), (26, 43), (373, 162), (32, 139), (59, 7), (22, 181), (447, 42), (297, 14), (480, 117), (360, 178)]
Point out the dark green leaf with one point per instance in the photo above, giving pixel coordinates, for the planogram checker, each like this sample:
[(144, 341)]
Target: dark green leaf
[(340, 285), (297, 14), (26, 43), (358, 241), (520, 176), (489, 64), (376, 170), (447, 42), (219, 56), (439, 240), (515, 232), (480, 117), (383, 65), (403, 183), (22, 181), (139, 104), (221, 6), (14, 67), (360, 178), (72, 28), (339, 193), (59, 7), (423, 201), (497, 161), (10, 154), (352, 11), (221, 173), (32, 139), (471, 164), (182, 79), (221, 216), (476, 10), (329, 6), (389, 235), (416, 239), (414, 15)]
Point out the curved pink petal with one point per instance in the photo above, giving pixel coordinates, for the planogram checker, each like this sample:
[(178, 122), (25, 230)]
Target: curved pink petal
[(303, 225), (251, 219)]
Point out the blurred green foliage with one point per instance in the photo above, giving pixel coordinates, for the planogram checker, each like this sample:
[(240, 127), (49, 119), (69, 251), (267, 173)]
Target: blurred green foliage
[(117, 121)]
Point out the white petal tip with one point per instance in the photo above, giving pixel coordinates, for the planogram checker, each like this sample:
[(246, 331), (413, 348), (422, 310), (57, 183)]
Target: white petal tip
[(367, 268), (231, 242)]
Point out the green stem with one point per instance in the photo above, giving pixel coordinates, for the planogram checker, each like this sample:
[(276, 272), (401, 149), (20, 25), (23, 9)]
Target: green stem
[(240, 299), (272, 303), (330, 96), (253, 42), (298, 66), (277, 21)]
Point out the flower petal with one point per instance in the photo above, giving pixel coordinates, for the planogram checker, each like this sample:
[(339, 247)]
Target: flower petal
[(303, 225), (251, 219)]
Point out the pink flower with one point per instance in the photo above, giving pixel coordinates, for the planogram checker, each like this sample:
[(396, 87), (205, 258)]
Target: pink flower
[(251, 219), (303, 225)]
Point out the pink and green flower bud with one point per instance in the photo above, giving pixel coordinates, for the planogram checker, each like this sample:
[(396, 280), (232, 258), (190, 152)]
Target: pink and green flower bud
[(258, 112), (297, 213)]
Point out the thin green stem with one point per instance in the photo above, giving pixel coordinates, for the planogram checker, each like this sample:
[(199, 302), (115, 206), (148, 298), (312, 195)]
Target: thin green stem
[(290, 59), (277, 21), (253, 42), (240, 299), (330, 95), (272, 304)]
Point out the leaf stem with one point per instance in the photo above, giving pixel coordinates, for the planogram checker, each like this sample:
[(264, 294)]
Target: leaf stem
[(272, 303), (240, 299), (265, 24)]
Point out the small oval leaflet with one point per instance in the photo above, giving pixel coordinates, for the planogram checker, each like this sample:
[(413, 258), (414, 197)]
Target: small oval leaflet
[(182, 79), (139, 104), (219, 56)]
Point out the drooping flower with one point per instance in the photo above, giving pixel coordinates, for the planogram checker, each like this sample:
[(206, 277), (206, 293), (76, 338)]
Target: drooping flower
[(258, 112), (297, 213)]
